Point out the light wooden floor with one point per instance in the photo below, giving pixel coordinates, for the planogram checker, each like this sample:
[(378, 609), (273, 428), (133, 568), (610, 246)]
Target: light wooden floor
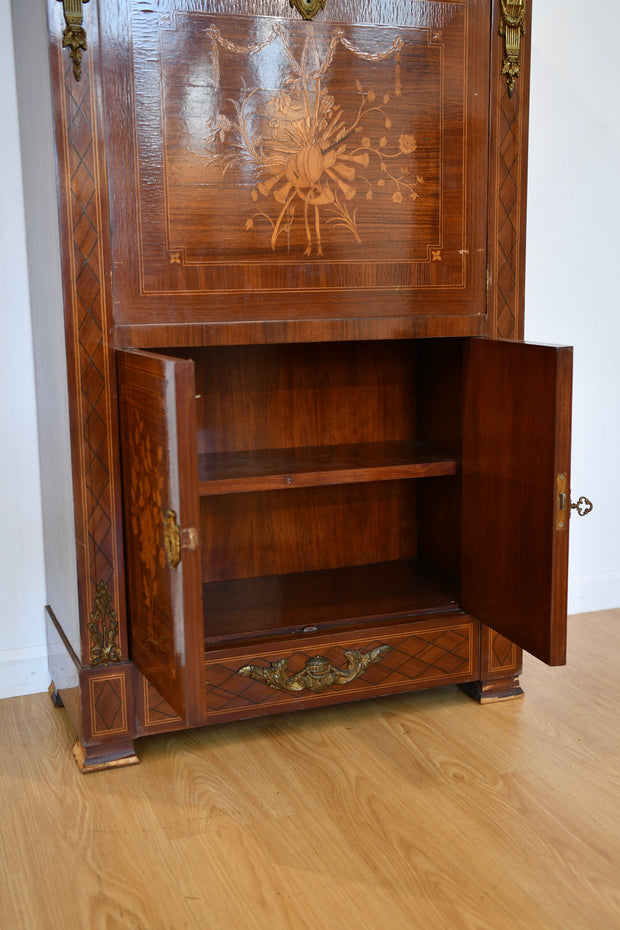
[(424, 811)]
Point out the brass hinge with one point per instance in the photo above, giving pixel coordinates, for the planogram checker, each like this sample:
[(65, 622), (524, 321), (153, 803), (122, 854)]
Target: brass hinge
[(562, 513), (176, 539)]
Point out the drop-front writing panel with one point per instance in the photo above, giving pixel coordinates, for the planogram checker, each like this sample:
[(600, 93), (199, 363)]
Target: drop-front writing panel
[(267, 168)]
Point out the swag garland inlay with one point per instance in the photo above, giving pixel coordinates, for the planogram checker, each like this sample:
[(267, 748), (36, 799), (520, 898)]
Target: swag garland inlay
[(305, 151)]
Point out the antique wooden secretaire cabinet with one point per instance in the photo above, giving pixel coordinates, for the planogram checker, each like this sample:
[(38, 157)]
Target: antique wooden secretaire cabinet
[(311, 458)]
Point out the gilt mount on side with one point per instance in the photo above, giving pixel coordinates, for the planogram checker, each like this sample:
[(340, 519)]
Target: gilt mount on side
[(103, 629), (74, 36), (512, 27)]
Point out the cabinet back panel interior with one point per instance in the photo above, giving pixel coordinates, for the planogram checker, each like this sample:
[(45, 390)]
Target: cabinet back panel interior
[(318, 394), (307, 529), (291, 396)]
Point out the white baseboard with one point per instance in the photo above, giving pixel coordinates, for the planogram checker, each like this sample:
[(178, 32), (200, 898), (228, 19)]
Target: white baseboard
[(23, 671), (593, 591)]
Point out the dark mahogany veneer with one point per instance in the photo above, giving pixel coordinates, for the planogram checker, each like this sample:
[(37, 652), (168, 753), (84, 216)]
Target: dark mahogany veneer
[(312, 459)]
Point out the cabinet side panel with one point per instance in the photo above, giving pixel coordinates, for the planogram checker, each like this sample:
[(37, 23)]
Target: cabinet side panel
[(85, 263), (45, 286), (509, 114)]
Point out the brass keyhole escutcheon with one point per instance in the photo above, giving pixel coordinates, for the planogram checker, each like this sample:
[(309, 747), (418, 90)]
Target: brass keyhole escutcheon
[(308, 8)]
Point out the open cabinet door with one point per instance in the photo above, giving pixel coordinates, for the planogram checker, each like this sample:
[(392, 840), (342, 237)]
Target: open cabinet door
[(161, 516), (516, 459)]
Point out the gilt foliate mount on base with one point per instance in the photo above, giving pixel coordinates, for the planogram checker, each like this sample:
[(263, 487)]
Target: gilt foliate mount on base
[(317, 675)]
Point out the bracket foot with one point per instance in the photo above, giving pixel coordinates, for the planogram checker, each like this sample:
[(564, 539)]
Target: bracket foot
[(490, 691), (55, 696), (105, 756)]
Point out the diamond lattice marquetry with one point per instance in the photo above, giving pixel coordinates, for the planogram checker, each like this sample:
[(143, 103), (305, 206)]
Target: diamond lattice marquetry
[(502, 651), (90, 334), (87, 286), (86, 237), (427, 655), (158, 710), (89, 323), (108, 705), (508, 218)]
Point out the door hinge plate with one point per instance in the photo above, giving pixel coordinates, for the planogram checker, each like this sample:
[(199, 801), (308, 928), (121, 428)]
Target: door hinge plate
[(177, 538)]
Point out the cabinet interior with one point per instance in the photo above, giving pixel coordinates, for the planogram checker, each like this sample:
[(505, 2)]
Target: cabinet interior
[(329, 483)]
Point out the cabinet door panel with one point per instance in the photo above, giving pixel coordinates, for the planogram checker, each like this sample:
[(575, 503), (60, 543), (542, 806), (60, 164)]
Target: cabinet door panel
[(160, 487), (516, 442)]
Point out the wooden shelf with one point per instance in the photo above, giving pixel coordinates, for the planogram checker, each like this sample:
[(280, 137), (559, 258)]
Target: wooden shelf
[(271, 469), (303, 602)]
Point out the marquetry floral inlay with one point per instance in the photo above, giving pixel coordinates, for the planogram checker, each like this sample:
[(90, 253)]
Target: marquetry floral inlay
[(316, 163)]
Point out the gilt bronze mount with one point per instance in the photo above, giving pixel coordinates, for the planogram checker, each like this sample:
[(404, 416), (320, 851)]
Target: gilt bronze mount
[(103, 629), (317, 675), (512, 27), (172, 539), (74, 36), (308, 8)]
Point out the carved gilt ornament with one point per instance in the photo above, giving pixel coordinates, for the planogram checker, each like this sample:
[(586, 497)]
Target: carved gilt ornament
[(512, 27), (74, 36), (317, 675), (103, 629)]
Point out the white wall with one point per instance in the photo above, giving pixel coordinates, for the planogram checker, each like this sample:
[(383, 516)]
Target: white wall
[(23, 663), (573, 296), (573, 261)]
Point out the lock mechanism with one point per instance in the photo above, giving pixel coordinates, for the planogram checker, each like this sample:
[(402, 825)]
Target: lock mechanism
[(583, 506)]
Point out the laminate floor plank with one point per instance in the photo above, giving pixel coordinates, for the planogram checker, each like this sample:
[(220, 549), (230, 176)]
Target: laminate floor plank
[(420, 811)]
